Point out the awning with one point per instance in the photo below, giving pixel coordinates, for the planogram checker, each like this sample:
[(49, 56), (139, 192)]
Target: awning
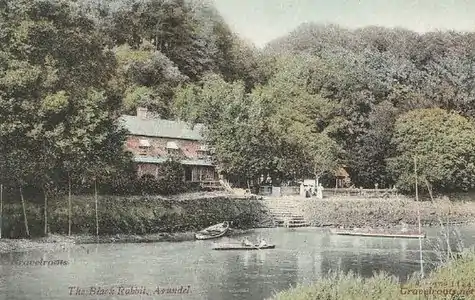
[(172, 145), (144, 143)]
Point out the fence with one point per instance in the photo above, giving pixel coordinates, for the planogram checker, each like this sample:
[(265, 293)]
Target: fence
[(265, 190), (290, 190), (368, 193)]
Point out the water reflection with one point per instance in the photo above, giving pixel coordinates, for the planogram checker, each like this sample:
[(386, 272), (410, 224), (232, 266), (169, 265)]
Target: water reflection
[(263, 272), (301, 256)]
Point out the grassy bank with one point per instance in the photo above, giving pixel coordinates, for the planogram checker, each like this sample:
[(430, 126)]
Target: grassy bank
[(454, 280), (45, 244), (134, 215), (358, 212)]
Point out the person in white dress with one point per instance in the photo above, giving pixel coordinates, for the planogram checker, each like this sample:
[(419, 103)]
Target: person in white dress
[(320, 191), (247, 243)]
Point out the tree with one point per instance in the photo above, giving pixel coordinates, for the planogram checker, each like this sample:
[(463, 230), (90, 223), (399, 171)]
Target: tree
[(266, 132), (57, 115), (324, 155), (225, 110), (374, 147), (443, 144), (147, 79)]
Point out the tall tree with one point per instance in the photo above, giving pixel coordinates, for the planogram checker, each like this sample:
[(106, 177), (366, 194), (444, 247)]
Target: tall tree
[(54, 95), (443, 144)]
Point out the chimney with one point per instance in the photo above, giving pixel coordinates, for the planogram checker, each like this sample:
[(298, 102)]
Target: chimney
[(142, 112)]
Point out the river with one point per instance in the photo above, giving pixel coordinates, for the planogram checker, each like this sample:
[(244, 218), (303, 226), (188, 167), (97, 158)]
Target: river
[(301, 256)]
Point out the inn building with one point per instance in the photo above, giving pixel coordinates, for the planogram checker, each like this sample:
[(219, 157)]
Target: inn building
[(152, 141)]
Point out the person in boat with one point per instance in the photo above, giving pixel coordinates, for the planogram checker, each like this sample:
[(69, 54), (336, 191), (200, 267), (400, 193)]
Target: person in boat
[(262, 243), (247, 243)]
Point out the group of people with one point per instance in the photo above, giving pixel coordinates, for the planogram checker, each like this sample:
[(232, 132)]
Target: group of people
[(318, 191), (248, 243)]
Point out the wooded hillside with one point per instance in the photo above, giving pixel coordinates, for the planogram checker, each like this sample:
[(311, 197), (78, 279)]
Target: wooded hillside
[(312, 101)]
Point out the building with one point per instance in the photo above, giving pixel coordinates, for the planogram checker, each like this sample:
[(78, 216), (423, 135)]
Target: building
[(342, 178), (152, 141)]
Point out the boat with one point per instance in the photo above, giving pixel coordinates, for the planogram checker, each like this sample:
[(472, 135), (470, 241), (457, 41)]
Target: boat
[(405, 235), (213, 232), (242, 247)]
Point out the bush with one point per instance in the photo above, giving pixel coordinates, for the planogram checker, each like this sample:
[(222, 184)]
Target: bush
[(170, 178)]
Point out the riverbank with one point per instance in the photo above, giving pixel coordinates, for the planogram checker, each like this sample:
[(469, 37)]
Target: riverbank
[(149, 238), (45, 244), (351, 212), (453, 279), (134, 215), (60, 242)]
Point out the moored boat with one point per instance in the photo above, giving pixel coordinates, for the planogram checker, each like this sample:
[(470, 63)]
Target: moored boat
[(406, 235), (242, 247), (213, 232)]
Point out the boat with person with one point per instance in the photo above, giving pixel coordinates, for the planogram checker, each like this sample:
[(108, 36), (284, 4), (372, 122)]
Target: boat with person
[(406, 235), (213, 232), (238, 246), (245, 245)]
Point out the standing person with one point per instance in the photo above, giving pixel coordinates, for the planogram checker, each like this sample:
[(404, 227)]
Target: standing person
[(308, 194), (320, 191)]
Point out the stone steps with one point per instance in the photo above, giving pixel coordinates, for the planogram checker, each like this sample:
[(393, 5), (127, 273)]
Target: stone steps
[(286, 213), (289, 220), (290, 224), (282, 210)]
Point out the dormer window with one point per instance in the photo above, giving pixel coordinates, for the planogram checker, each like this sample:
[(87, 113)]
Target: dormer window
[(203, 151), (144, 144), (172, 148)]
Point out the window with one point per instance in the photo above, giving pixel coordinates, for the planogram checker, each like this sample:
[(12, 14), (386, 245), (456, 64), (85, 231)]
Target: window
[(172, 145), (144, 144), (203, 152), (172, 148)]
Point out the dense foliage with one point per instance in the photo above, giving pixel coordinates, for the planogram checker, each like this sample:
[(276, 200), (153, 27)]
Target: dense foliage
[(58, 116), (443, 145), (317, 99)]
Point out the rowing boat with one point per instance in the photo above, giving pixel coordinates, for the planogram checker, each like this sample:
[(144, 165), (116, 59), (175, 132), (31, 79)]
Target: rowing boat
[(405, 235), (241, 247), (213, 232)]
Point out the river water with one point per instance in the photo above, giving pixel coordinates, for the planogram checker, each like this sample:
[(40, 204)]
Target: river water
[(301, 256)]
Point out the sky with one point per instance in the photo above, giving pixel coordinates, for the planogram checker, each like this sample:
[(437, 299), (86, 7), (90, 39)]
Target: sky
[(261, 21)]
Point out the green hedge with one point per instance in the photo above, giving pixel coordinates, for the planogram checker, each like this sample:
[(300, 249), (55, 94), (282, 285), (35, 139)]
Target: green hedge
[(132, 215)]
